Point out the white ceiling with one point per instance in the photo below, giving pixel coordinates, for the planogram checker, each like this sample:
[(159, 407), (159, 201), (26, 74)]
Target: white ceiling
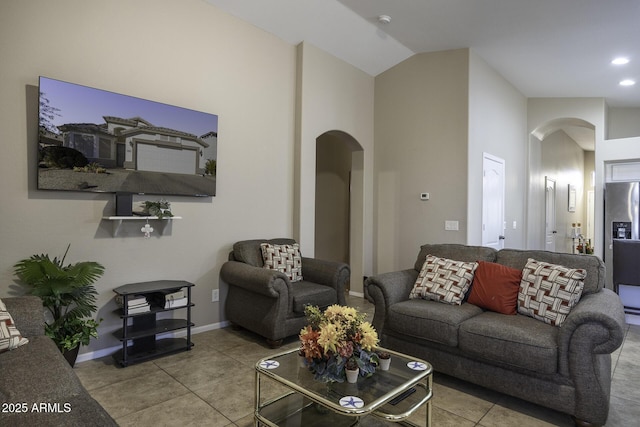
[(545, 48)]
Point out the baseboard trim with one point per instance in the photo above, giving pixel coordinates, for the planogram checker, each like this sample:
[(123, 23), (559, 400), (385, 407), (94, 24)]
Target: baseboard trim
[(356, 294), (97, 354)]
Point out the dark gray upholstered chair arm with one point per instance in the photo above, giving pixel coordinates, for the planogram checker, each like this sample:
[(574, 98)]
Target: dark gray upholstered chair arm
[(255, 279), (594, 326), (386, 289), (27, 313), (328, 273)]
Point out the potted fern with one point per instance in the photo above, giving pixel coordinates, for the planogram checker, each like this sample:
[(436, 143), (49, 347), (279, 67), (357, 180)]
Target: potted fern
[(69, 296)]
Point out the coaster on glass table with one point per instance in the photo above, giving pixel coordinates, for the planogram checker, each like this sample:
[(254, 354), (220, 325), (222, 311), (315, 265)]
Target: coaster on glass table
[(417, 366), (351, 402), (269, 364)]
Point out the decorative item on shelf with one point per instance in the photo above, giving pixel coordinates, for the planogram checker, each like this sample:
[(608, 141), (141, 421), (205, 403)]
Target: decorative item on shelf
[(575, 230), (385, 360), (337, 337), (584, 246), (147, 229), (160, 208), (581, 244), (68, 293)]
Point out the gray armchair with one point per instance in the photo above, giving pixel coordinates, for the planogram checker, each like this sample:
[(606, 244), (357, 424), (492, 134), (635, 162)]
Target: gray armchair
[(264, 301)]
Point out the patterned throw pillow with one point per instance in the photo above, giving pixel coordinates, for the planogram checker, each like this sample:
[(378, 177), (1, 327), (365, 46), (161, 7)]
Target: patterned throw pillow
[(283, 258), (10, 337), (548, 292), (443, 280)]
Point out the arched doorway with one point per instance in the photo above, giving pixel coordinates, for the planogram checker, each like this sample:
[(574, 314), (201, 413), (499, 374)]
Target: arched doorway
[(338, 198), (561, 150)]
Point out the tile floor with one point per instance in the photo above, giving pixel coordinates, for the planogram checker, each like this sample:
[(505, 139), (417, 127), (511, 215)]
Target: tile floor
[(213, 385)]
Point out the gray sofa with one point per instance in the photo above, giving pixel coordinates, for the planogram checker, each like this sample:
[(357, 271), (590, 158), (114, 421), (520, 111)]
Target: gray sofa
[(265, 301), (37, 374), (566, 368)]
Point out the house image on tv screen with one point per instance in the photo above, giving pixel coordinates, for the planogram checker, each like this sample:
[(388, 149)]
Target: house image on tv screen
[(136, 144)]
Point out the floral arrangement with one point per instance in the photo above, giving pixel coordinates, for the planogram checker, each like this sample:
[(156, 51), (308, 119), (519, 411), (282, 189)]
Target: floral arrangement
[(335, 338)]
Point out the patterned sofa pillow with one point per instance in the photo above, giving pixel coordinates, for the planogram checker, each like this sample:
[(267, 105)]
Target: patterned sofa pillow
[(10, 337), (283, 258), (443, 280), (548, 292)]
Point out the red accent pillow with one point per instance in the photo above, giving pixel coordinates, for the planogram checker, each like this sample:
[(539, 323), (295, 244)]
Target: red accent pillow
[(495, 287)]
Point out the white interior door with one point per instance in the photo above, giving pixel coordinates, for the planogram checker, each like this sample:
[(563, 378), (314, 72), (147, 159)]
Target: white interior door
[(493, 225), (550, 231)]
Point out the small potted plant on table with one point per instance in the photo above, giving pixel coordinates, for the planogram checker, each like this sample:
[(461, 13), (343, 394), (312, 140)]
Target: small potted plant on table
[(385, 360)]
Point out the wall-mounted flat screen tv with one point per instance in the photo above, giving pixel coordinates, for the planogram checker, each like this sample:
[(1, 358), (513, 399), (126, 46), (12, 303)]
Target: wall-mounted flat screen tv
[(99, 141)]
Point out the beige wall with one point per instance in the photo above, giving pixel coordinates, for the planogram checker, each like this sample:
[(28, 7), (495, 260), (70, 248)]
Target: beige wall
[(497, 126), (623, 123), (334, 96), (421, 131), (183, 53)]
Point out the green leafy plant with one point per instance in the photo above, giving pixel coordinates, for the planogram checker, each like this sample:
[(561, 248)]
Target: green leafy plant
[(160, 208), (70, 333), (68, 294)]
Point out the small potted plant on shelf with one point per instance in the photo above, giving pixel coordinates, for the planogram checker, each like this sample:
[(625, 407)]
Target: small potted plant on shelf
[(68, 295), (160, 208)]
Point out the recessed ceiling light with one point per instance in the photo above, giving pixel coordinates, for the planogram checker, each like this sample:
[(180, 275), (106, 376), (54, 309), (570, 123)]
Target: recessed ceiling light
[(620, 61), (627, 82), (384, 19)]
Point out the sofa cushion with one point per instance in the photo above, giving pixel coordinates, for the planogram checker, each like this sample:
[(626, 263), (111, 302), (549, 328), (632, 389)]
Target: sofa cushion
[(283, 258), (37, 373), (516, 341), (495, 287), (430, 320), (249, 252), (456, 251), (10, 337), (444, 280), (548, 292), (308, 293)]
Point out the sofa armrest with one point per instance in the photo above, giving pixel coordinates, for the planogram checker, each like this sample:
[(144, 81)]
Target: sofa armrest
[(386, 289), (595, 325), (328, 273), (263, 281), (27, 313)]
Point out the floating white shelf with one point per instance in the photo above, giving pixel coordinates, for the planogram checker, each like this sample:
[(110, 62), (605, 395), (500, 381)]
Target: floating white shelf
[(117, 221)]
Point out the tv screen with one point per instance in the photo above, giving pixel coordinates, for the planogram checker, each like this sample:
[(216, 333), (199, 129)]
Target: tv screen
[(99, 141)]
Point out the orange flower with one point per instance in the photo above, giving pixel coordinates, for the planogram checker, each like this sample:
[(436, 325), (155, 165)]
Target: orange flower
[(309, 343)]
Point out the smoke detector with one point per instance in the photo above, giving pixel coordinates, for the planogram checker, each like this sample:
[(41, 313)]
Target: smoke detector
[(384, 19)]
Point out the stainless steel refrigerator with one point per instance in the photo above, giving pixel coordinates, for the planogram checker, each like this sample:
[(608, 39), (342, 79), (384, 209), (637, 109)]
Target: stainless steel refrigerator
[(620, 218)]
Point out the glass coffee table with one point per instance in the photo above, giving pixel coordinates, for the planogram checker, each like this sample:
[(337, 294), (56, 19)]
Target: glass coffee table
[(391, 395)]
